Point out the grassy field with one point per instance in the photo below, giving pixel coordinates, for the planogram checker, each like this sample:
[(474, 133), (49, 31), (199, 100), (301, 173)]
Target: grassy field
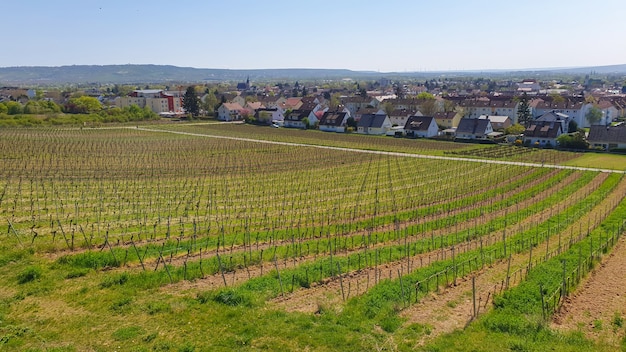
[(599, 160), (135, 240)]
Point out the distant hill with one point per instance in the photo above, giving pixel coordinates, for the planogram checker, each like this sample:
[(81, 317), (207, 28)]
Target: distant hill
[(142, 74), (134, 74)]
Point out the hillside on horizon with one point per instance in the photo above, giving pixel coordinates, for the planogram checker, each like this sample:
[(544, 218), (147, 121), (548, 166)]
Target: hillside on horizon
[(148, 73)]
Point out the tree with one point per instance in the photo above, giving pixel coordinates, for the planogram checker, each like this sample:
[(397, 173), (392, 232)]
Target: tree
[(13, 107), (425, 96), (572, 127), (305, 92), (210, 102), (594, 115), (335, 100), (351, 122), (41, 107), (449, 105), (388, 108), (524, 117), (573, 141), (557, 98), (515, 129), (428, 107), (83, 105), (190, 101)]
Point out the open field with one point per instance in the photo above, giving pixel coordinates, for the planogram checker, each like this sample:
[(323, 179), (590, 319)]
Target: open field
[(139, 240), (609, 161)]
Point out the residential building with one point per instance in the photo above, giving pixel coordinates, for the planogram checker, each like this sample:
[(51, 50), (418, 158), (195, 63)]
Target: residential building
[(421, 127), (473, 129), (574, 107), (399, 117), (448, 119), (334, 121), (296, 119), (156, 100), (230, 112), (543, 133), (269, 115), (376, 124), (474, 108), (498, 123), (607, 137), (553, 116)]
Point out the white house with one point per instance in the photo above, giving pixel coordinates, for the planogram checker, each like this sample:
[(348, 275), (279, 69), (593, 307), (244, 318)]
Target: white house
[(474, 108), (377, 124), (473, 129), (334, 121), (229, 112), (498, 123), (421, 127), (269, 115), (607, 137), (296, 119), (543, 133)]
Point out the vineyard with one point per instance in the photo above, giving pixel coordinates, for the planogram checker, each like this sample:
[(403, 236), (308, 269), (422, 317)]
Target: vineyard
[(142, 239)]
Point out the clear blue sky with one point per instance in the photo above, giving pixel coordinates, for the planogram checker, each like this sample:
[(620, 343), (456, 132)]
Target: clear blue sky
[(390, 35)]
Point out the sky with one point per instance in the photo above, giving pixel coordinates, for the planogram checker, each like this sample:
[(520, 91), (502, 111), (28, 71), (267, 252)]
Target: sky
[(365, 35)]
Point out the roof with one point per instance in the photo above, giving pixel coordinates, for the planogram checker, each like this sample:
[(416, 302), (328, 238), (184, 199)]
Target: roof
[(255, 105), (333, 118), (544, 129), (232, 106), (148, 91), (566, 104), (418, 123), (444, 115), (473, 126), (297, 115), (485, 103), (372, 120), (495, 118), (607, 134), (553, 116)]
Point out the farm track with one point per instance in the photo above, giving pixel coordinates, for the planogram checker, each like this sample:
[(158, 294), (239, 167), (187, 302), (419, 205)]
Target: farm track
[(452, 308), (254, 271), (304, 300)]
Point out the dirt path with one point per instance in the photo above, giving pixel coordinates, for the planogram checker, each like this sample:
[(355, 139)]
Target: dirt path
[(598, 308)]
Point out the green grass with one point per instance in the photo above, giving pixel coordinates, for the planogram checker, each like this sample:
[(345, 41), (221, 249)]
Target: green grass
[(600, 161), (76, 198)]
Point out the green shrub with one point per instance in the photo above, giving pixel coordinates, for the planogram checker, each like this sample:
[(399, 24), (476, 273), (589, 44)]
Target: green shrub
[(229, 297), (29, 274), (121, 305), (118, 279), (76, 273)]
